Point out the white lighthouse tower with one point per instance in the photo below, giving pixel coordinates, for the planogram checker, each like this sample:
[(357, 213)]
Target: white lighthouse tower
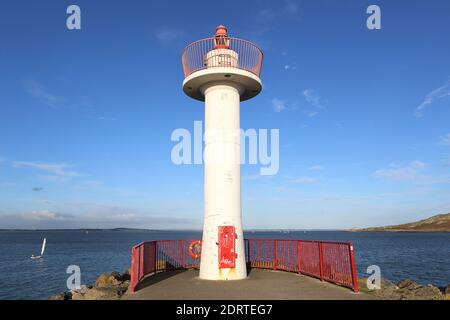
[(222, 71)]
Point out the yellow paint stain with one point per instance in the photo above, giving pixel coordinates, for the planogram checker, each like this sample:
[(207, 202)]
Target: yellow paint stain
[(227, 273)]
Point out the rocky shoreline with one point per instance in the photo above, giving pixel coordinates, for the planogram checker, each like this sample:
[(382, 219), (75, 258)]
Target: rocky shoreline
[(107, 287), (406, 290), (113, 286)]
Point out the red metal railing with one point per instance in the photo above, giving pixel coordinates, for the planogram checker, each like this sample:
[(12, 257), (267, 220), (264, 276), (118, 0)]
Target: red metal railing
[(242, 54), (328, 261)]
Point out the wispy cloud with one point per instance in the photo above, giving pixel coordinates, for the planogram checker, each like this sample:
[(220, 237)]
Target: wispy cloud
[(92, 215), (444, 140), (286, 8), (311, 114), (314, 99), (316, 168), (58, 170), (407, 173), (291, 7), (305, 180), (45, 215), (289, 67), (36, 90), (439, 93), (169, 35), (278, 105)]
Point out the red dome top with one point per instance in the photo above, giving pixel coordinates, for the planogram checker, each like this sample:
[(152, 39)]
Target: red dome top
[(221, 31)]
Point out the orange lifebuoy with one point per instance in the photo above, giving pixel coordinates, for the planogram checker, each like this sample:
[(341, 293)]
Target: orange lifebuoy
[(195, 244)]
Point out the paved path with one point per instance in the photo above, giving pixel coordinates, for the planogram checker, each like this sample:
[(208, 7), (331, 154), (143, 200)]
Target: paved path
[(260, 285)]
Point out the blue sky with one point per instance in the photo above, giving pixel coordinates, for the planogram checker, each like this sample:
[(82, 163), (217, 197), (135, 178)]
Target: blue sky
[(86, 116)]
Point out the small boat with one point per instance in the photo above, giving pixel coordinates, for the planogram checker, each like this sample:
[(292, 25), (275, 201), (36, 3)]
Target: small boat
[(42, 251)]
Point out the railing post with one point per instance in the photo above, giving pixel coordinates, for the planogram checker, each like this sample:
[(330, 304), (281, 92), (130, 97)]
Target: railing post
[(353, 266), (181, 254), (133, 274), (298, 255), (274, 254), (248, 253), (321, 260)]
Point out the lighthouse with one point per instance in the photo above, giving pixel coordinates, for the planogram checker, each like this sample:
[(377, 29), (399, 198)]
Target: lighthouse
[(222, 71)]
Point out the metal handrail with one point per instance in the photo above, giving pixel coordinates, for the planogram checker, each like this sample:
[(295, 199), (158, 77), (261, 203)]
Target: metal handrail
[(249, 57), (329, 261)]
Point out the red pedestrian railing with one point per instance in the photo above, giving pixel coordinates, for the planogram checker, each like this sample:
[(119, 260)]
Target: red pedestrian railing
[(328, 261), (239, 53)]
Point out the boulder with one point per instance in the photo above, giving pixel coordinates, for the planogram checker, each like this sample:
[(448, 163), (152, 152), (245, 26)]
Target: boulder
[(447, 290), (408, 284), (62, 296), (121, 276), (106, 280), (107, 287), (102, 294), (428, 292)]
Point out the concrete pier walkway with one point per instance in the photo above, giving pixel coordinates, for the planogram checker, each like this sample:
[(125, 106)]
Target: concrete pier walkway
[(260, 285)]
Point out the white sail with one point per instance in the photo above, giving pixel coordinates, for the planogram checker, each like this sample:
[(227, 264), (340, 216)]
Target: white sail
[(43, 246)]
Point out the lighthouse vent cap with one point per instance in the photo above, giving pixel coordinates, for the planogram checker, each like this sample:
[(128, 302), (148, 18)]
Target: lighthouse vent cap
[(221, 31)]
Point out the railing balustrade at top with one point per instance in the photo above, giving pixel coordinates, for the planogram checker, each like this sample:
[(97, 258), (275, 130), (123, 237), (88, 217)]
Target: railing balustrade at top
[(328, 261), (240, 54)]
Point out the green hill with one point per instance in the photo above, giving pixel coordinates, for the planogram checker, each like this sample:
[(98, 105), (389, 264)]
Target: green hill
[(438, 223)]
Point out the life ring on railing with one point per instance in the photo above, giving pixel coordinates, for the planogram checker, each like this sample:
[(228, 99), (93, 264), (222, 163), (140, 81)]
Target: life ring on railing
[(195, 249)]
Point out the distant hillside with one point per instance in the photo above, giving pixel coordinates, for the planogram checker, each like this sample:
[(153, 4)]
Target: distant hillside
[(439, 223)]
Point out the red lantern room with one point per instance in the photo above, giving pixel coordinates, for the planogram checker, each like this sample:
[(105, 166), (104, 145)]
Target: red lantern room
[(221, 40)]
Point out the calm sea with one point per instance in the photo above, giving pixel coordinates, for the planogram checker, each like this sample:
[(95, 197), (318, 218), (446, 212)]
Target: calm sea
[(423, 257)]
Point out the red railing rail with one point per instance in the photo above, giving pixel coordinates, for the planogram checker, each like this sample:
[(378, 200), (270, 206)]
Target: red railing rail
[(246, 56), (328, 261)]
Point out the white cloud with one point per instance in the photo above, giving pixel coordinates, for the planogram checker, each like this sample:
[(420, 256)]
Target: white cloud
[(314, 99), (58, 169), (92, 215), (408, 173), (45, 215), (439, 93), (290, 67), (311, 114), (291, 7), (169, 35), (278, 105), (444, 140), (305, 180), (37, 91), (315, 168)]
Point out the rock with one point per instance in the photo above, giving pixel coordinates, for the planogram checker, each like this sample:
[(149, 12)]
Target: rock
[(121, 276), (408, 284), (406, 290), (103, 294), (447, 290), (62, 296), (116, 275), (107, 287), (57, 297), (428, 292), (106, 280)]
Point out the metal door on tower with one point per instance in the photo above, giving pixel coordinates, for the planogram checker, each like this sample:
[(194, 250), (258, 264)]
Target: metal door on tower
[(227, 250)]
